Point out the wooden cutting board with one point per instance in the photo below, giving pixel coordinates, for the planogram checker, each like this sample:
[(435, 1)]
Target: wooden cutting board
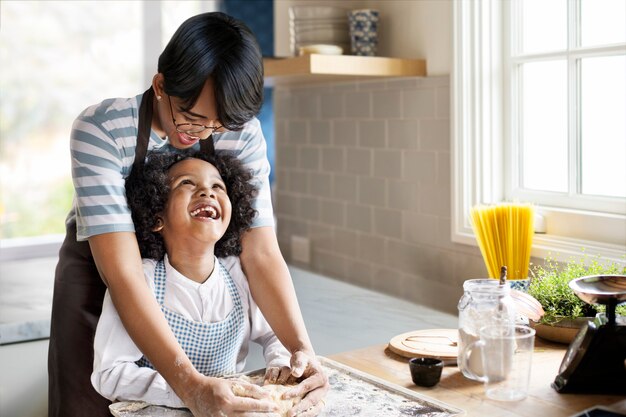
[(428, 343)]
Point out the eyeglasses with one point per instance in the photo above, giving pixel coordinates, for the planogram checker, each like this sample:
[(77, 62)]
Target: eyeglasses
[(193, 129)]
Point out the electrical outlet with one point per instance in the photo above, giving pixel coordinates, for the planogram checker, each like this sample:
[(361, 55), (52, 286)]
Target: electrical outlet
[(301, 249)]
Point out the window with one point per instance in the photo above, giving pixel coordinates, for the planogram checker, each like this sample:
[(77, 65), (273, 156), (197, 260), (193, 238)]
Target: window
[(567, 91), (539, 103), (80, 54), (48, 76)]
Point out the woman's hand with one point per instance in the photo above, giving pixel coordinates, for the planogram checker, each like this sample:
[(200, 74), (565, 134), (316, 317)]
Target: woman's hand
[(312, 388), (216, 397)]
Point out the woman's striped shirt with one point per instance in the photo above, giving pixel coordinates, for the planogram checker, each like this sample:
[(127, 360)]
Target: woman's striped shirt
[(102, 144)]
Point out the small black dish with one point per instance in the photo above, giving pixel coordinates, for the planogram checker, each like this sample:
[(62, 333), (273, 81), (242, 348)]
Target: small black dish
[(426, 372)]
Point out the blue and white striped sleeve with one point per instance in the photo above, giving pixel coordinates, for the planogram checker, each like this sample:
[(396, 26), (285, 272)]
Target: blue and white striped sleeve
[(250, 148), (98, 166)]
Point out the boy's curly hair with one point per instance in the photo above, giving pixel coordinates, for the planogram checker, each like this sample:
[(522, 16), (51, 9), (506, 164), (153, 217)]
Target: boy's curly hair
[(147, 192)]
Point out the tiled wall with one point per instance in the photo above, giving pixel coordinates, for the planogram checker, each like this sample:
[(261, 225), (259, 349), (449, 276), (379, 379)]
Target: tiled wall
[(363, 171)]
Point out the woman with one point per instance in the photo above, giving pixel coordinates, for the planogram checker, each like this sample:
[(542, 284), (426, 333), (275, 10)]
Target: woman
[(206, 93)]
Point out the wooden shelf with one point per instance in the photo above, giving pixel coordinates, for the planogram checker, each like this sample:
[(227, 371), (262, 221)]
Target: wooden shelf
[(324, 68)]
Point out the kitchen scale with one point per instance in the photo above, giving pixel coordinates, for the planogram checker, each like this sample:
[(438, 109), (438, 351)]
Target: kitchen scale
[(595, 361)]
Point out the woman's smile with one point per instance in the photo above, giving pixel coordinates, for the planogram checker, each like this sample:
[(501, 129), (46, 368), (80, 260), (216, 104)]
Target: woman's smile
[(187, 140)]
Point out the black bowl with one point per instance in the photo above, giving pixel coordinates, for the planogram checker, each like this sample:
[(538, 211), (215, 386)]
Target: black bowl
[(425, 372)]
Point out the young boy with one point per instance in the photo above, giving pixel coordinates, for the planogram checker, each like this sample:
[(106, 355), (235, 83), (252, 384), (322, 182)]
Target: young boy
[(188, 210)]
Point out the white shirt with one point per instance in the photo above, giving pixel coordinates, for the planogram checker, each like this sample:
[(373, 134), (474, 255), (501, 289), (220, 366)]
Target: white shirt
[(115, 374)]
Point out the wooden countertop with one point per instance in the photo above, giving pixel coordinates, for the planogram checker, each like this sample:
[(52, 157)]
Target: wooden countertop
[(458, 391)]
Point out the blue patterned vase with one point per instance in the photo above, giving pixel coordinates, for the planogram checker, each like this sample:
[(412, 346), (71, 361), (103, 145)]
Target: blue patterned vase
[(363, 31)]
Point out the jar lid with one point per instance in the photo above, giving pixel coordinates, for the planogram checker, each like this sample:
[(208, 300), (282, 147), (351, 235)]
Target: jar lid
[(486, 285)]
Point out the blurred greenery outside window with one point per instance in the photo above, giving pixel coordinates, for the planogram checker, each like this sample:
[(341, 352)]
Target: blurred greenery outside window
[(81, 53)]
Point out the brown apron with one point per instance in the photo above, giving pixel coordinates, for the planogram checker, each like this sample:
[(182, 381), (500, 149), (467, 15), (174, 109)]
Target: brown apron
[(77, 305)]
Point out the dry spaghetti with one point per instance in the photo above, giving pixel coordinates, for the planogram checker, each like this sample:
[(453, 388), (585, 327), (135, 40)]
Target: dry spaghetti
[(504, 233)]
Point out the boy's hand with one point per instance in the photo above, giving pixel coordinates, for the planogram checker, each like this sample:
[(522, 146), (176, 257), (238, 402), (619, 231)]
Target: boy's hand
[(279, 376), (313, 386)]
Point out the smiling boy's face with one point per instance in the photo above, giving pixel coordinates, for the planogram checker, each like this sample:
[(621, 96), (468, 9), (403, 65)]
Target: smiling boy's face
[(198, 209)]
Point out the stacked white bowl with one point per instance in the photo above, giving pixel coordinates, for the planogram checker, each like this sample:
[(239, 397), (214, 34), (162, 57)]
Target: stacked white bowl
[(318, 25)]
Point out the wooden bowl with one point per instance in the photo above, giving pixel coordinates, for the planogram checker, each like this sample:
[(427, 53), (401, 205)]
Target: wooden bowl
[(563, 331)]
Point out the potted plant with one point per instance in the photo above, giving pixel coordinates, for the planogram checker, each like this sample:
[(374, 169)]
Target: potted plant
[(565, 313)]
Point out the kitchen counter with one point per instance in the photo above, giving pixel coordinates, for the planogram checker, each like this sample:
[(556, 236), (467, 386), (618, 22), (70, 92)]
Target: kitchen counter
[(339, 316), (26, 299), (456, 390)]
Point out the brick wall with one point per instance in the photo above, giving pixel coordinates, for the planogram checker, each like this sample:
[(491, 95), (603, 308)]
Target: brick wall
[(363, 171)]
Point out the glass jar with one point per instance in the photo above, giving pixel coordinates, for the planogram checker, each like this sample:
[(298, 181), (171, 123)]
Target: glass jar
[(484, 302)]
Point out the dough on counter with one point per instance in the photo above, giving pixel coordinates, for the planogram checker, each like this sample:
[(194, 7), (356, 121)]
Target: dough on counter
[(276, 392)]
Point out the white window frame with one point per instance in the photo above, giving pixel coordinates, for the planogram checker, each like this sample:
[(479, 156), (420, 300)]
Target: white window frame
[(479, 105), (512, 80)]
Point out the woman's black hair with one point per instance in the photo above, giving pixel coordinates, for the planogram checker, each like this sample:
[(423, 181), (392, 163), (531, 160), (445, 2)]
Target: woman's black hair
[(221, 47), (147, 192)]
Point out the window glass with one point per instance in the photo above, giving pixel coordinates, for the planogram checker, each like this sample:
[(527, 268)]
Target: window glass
[(544, 126), (58, 57), (602, 22), (573, 123), (603, 126), (544, 25)]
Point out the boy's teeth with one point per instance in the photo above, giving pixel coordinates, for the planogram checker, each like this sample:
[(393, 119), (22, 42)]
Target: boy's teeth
[(210, 210)]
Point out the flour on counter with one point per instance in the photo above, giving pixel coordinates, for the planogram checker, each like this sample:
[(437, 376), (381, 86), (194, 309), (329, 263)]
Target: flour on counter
[(352, 394)]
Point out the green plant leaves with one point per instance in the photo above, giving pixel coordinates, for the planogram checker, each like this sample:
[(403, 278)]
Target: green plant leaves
[(549, 285)]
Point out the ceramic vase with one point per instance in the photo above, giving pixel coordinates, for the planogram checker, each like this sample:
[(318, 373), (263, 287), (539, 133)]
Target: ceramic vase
[(363, 25)]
